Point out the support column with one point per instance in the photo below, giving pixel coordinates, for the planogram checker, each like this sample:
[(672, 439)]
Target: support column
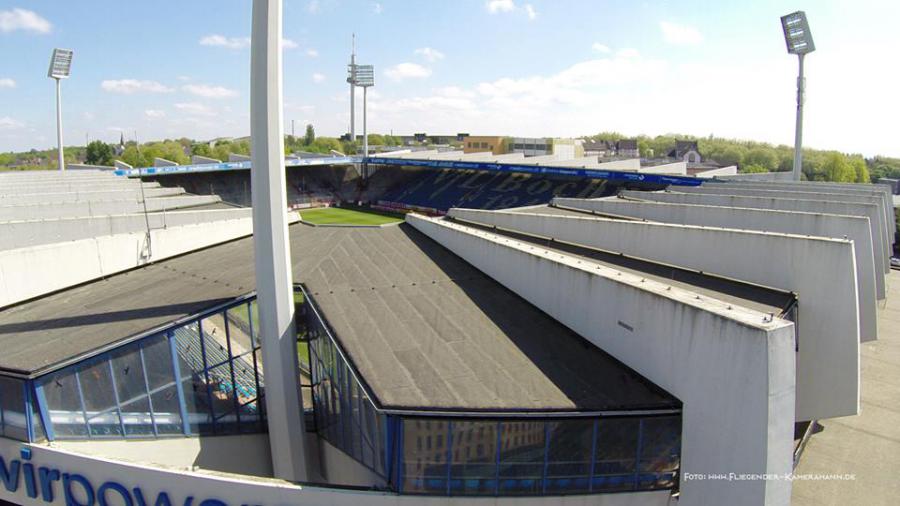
[(274, 283)]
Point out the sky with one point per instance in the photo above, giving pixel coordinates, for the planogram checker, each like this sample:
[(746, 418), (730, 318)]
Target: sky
[(549, 68)]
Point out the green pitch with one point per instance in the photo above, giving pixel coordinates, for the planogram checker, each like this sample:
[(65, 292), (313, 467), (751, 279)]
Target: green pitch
[(343, 216)]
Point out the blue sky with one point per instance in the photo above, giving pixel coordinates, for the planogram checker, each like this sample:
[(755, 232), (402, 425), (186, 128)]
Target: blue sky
[(168, 69)]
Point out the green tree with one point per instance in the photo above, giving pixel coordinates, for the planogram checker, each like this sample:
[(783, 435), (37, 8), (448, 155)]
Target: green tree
[(99, 153), (753, 169), (765, 157), (859, 168), (310, 136), (838, 169)]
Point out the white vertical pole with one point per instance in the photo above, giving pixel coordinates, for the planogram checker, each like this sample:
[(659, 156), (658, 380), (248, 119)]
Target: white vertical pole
[(272, 258), (353, 91), (365, 128), (59, 138), (798, 133)]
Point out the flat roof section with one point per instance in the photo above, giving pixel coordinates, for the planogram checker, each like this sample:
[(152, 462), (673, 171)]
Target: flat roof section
[(426, 330)]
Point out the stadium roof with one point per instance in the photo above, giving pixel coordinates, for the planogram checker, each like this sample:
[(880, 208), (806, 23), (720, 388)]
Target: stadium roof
[(424, 328)]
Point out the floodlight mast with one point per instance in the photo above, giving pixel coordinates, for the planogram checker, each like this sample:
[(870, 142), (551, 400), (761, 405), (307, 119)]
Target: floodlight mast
[(60, 68), (799, 41)]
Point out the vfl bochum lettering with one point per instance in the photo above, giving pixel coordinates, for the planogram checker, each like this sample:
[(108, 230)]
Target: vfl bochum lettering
[(77, 490)]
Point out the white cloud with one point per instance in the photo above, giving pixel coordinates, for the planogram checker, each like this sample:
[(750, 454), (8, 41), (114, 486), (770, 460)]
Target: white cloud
[(529, 10), (600, 48), (313, 6), (6, 82), (317, 77), (216, 40), (208, 91), (628, 53), (7, 123), (495, 6), (154, 113), (377, 8), (223, 41), (407, 70), (430, 54), (195, 109), (680, 35), (132, 86), (312, 53), (89, 116), (21, 19)]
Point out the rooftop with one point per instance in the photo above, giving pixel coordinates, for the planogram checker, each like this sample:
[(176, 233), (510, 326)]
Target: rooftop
[(424, 328)]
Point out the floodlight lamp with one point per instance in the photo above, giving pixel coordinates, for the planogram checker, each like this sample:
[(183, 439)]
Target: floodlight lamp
[(365, 75), (351, 73), (60, 64), (796, 33)]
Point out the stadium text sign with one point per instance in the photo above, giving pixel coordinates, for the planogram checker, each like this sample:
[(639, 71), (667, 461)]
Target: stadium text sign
[(32, 481)]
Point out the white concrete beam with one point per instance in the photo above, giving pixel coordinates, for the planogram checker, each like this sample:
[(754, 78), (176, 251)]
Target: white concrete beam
[(828, 326), (871, 282)]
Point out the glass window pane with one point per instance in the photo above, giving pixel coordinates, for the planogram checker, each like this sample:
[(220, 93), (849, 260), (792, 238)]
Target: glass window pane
[(473, 457), (215, 340), (193, 377), (223, 397), (239, 328), (569, 457), (64, 404), (660, 452), (424, 471), (136, 418), (521, 457), (158, 362), (166, 411), (12, 409), (129, 375), (96, 386), (615, 455)]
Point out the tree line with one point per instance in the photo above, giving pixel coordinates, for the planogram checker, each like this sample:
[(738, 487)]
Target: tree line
[(752, 156)]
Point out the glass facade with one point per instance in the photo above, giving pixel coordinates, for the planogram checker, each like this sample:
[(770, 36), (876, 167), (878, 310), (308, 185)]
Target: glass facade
[(200, 377), (345, 415), (538, 456), (460, 456)]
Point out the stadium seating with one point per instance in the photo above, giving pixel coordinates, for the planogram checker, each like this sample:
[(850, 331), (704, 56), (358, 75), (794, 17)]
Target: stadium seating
[(439, 190)]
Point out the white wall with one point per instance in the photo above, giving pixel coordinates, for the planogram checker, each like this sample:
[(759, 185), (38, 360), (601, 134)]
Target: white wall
[(871, 211), (87, 195), (742, 424), (29, 272), (20, 234), (882, 190), (38, 211), (68, 186), (629, 164), (828, 326), (207, 453), (235, 490), (669, 168), (871, 282), (763, 176), (724, 171), (884, 219)]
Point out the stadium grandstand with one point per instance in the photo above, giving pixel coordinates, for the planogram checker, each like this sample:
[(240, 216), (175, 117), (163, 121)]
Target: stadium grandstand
[(541, 330)]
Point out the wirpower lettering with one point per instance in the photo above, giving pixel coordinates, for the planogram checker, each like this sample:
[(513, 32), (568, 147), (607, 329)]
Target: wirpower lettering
[(78, 490)]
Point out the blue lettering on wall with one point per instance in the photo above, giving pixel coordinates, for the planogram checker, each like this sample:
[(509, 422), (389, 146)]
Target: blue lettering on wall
[(78, 489)]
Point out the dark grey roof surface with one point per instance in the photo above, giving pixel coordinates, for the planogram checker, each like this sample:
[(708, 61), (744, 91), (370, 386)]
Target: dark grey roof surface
[(424, 328)]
